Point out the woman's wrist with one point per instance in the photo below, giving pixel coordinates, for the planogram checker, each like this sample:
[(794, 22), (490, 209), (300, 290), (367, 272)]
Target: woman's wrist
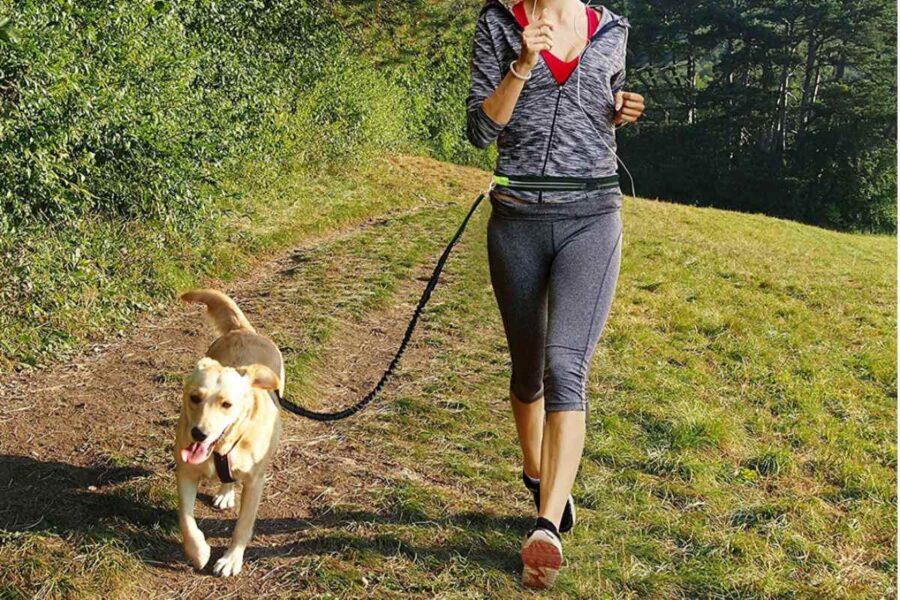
[(521, 69), (514, 71)]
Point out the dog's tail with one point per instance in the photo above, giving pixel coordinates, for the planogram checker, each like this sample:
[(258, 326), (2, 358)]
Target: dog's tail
[(221, 310)]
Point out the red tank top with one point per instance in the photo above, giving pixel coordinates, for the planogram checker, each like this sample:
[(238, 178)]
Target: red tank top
[(561, 70)]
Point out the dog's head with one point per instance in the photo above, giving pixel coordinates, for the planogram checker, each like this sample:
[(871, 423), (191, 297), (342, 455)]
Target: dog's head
[(217, 397)]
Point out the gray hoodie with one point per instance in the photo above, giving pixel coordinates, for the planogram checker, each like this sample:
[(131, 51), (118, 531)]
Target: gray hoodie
[(548, 133)]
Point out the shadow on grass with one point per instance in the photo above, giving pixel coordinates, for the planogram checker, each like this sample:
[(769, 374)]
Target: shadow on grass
[(478, 541), (62, 499)]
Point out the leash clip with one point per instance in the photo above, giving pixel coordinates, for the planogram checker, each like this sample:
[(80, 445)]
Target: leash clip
[(490, 187)]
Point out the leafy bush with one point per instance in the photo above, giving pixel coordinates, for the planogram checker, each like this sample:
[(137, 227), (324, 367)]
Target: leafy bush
[(119, 120), (131, 109)]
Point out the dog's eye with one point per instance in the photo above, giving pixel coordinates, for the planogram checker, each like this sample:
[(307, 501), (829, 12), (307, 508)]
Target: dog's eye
[(226, 405), (196, 399)]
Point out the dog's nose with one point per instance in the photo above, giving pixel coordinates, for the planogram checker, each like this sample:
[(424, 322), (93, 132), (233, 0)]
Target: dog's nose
[(198, 435)]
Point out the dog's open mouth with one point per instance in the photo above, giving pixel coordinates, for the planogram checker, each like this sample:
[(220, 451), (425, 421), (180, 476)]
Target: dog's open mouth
[(197, 452)]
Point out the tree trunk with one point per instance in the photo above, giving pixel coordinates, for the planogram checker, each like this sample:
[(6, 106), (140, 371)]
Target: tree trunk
[(692, 90), (780, 137), (730, 141), (810, 83)]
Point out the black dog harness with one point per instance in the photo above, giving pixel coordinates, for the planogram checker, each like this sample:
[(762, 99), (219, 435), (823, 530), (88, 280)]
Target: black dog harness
[(223, 466)]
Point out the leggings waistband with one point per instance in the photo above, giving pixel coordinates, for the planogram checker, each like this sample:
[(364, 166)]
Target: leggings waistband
[(587, 204)]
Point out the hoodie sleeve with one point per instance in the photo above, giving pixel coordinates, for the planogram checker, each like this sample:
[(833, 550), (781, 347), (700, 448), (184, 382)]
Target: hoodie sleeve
[(486, 76), (618, 80)]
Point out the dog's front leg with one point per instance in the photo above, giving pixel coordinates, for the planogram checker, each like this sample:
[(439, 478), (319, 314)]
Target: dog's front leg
[(233, 559), (195, 546)]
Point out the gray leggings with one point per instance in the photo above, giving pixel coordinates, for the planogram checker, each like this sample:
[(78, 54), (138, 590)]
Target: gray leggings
[(554, 281)]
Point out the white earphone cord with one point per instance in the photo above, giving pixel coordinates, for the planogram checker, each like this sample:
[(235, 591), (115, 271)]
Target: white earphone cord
[(578, 95)]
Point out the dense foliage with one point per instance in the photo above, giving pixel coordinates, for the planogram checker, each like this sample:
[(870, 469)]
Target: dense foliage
[(120, 121), (786, 108), (130, 108)]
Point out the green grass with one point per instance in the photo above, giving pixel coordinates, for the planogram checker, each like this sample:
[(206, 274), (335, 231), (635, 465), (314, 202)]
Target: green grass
[(47, 566), (742, 431), (742, 438), (90, 280)]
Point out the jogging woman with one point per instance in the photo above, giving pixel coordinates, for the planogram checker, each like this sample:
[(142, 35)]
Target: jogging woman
[(547, 80)]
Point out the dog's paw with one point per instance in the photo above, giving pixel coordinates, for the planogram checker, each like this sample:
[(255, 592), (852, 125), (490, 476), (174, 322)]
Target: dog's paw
[(224, 499), (198, 554), (230, 564)]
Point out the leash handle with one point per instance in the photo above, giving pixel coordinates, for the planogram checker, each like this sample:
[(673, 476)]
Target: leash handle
[(389, 372)]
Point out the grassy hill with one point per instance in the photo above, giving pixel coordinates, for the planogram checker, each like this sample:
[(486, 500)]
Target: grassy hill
[(741, 440)]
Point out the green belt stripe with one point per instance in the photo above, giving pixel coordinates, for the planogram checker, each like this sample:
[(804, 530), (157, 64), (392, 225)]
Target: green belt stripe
[(562, 184)]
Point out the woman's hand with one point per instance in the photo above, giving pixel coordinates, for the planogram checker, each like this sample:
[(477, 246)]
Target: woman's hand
[(537, 37), (629, 107)]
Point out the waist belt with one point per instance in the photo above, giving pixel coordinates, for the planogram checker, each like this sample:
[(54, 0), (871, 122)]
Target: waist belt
[(542, 183)]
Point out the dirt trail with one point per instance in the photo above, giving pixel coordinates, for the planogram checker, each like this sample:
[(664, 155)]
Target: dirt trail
[(72, 435)]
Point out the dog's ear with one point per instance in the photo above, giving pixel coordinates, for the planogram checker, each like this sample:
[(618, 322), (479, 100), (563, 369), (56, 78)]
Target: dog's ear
[(207, 363), (260, 376)]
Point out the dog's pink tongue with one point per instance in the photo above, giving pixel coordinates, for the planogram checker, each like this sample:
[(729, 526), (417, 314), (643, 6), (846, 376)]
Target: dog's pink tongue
[(194, 454)]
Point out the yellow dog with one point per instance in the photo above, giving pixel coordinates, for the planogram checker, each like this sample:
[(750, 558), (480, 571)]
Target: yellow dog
[(230, 426)]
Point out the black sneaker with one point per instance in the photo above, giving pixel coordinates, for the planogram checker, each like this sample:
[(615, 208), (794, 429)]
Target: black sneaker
[(541, 556), (568, 517)]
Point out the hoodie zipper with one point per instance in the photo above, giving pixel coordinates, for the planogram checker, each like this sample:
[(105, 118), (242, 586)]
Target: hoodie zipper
[(615, 22), (550, 141), (559, 91)]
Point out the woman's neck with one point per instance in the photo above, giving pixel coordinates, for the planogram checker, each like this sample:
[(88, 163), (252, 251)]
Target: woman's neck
[(558, 8)]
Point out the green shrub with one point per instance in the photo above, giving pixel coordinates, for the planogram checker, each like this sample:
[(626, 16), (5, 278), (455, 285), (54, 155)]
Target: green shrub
[(119, 120), (131, 109)]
